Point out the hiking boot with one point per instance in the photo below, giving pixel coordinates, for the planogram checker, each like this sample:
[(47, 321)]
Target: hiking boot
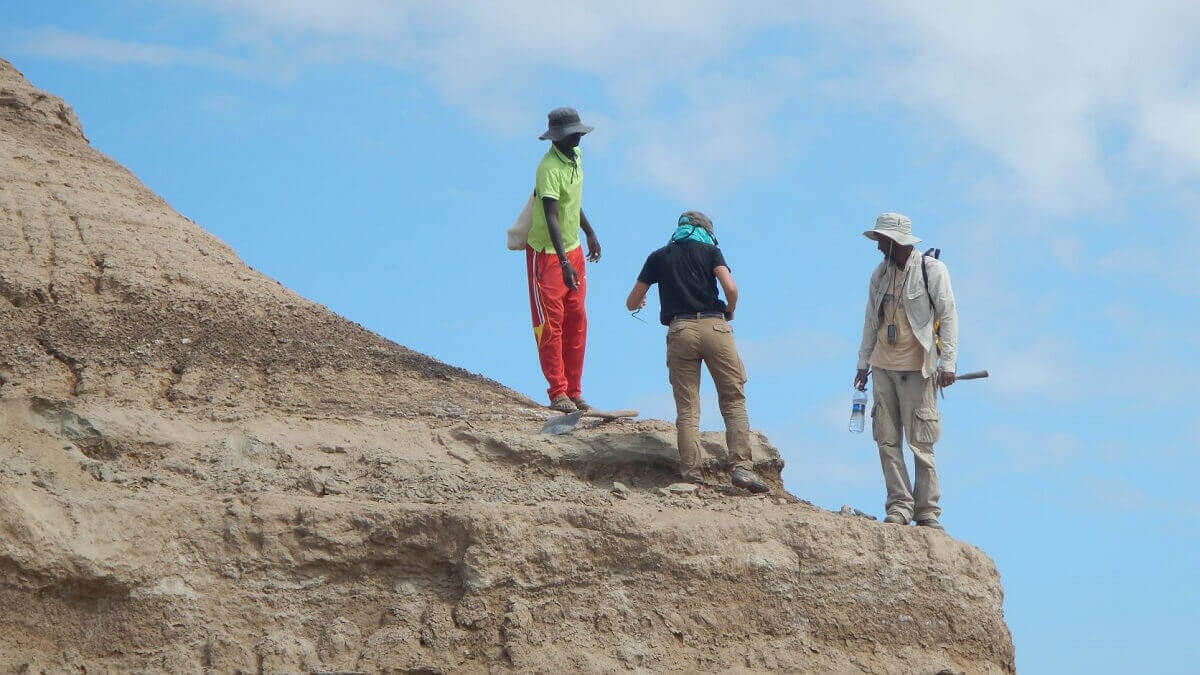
[(580, 403), (896, 519), (748, 480), (931, 523), (563, 404)]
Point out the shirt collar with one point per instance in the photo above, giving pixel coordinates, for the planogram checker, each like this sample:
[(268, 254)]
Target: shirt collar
[(563, 158), (914, 258)]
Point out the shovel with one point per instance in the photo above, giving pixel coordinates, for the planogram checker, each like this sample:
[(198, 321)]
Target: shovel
[(561, 424)]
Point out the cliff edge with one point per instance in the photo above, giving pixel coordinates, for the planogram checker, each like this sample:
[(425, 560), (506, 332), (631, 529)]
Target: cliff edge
[(202, 471)]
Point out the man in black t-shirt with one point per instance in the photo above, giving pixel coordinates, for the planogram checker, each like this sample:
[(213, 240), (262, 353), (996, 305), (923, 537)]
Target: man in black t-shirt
[(687, 271)]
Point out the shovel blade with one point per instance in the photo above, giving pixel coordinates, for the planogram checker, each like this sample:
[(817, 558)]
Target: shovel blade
[(562, 423)]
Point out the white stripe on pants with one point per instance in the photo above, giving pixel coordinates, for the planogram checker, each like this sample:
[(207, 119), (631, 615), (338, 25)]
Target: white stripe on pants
[(906, 407)]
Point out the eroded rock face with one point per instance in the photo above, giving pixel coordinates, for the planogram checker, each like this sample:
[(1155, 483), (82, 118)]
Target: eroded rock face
[(200, 470)]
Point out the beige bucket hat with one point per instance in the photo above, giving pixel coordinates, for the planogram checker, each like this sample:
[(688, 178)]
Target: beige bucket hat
[(894, 226)]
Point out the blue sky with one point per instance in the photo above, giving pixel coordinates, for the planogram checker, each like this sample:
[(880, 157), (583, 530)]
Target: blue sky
[(370, 155)]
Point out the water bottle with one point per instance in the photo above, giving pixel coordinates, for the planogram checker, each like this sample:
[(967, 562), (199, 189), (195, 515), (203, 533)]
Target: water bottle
[(858, 411)]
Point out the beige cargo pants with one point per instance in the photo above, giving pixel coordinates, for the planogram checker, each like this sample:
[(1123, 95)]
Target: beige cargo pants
[(708, 340), (906, 406)]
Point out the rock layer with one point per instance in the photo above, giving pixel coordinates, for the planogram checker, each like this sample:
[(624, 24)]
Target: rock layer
[(202, 471)]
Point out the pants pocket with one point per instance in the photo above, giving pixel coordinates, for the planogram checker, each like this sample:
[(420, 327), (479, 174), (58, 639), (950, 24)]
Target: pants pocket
[(881, 425), (927, 426)]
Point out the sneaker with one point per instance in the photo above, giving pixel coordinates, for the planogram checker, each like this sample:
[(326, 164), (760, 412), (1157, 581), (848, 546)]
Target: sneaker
[(931, 523), (563, 404), (580, 403), (748, 480), (896, 519)]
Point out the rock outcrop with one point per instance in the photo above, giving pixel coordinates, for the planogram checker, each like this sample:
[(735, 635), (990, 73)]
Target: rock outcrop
[(202, 471)]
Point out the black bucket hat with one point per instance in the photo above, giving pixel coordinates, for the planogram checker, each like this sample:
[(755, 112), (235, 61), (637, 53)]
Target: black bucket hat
[(563, 123)]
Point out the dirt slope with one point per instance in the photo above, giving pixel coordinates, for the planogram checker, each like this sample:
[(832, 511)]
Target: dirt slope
[(202, 471)]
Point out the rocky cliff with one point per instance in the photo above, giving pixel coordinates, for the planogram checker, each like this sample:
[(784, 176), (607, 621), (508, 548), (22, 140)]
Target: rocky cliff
[(202, 471)]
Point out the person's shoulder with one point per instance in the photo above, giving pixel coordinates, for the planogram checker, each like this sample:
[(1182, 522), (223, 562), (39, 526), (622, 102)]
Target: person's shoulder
[(935, 265), (548, 161), (658, 252), (879, 269)]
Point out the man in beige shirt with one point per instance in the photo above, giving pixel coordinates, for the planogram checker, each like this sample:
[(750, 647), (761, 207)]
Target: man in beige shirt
[(908, 296)]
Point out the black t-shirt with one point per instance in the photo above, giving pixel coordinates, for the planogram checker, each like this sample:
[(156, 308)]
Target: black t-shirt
[(683, 271)]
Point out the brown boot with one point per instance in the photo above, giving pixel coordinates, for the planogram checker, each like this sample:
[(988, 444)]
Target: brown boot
[(748, 480)]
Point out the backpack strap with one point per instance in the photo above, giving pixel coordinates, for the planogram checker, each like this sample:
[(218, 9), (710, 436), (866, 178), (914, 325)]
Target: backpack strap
[(936, 253)]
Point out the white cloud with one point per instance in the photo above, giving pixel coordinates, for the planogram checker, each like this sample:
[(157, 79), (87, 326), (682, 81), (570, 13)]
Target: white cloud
[(1062, 97), (70, 46), (661, 65), (1043, 87)]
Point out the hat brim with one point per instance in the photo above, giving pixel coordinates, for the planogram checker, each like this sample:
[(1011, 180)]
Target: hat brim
[(557, 134), (898, 237)]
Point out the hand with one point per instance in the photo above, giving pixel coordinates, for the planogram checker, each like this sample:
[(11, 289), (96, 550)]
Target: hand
[(860, 379), (593, 248), (641, 305), (946, 378), (570, 278), (729, 311)]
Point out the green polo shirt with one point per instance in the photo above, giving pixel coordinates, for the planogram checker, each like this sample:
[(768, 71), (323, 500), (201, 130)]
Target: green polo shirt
[(561, 179)]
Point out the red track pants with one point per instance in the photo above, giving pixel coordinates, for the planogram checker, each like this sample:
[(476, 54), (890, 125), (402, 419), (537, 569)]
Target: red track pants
[(559, 320)]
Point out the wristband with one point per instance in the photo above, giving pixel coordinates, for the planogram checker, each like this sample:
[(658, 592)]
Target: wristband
[(564, 262)]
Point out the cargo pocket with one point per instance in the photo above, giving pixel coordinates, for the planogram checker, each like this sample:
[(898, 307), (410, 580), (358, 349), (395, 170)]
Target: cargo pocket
[(881, 425), (927, 426), (676, 347), (674, 330), (722, 355)]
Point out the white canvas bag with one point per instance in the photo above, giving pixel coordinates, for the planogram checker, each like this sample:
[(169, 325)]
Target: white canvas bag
[(518, 234)]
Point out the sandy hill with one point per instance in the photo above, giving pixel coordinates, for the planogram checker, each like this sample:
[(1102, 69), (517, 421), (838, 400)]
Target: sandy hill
[(202, 471)]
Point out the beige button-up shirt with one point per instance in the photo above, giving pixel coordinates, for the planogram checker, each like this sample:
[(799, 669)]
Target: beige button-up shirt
[(920, 311)]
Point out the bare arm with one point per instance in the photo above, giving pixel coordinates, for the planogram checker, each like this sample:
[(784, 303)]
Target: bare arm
[(637, 297), (550, 207), (725, 278), (593, 242)]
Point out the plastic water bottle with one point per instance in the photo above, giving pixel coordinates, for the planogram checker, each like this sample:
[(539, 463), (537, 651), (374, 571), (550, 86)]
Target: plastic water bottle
[(858, 411)]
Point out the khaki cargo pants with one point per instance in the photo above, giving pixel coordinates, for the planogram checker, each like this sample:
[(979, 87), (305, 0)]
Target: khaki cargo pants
[(708, 340), (906, 406)]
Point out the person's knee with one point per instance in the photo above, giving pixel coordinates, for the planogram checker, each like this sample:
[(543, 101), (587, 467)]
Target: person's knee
[(889, 452), (923, 457), (731, 401)]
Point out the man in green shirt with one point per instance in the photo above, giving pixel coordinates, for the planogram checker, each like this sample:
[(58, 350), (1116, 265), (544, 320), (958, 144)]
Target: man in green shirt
[(555, 262)]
